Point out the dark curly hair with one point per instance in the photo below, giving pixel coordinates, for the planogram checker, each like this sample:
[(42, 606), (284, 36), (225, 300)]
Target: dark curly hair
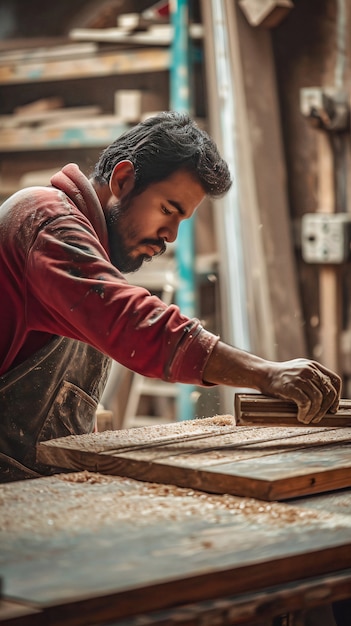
[(162, 144)]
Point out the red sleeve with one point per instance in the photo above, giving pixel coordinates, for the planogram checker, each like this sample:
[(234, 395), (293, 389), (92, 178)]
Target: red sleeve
[(72, 289)]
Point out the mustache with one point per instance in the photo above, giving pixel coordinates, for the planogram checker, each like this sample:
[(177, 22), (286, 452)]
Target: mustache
[(159, 243)]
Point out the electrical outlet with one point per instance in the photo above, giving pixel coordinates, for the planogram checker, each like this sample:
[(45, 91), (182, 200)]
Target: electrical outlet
[(326, 237)]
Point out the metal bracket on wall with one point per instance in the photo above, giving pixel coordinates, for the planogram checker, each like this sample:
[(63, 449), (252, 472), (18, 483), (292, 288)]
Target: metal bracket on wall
[(326, 109)]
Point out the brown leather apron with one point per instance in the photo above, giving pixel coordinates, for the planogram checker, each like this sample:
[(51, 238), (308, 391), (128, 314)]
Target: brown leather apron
[(52, 394)]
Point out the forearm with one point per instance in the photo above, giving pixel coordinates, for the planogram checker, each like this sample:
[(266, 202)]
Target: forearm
[(230, 366), (313, 387)]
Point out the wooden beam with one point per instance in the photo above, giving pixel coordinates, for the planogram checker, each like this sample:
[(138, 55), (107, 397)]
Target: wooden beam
[(269, 173)]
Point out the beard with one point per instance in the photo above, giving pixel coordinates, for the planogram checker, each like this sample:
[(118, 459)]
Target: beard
[(119, 232)]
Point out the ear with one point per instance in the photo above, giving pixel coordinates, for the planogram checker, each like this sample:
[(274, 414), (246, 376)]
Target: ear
[(122, 179)]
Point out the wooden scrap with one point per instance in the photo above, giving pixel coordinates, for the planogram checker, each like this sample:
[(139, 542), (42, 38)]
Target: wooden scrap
[(30, 48), (40, 106), (155, 35), (131, 104), (40, 118), (132, 22), (88, 123), (253, 409), (267, 13)]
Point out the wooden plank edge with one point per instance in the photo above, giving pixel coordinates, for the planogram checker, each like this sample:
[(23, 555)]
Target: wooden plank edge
[(19, 613), (201, 586), (210, 480), (156, 442), (258, 410), (242, 608)]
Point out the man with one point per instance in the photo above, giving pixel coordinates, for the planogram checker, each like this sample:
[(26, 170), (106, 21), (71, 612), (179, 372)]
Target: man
[(67, 310)]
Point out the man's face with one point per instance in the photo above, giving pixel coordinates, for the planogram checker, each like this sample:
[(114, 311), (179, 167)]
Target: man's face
[(140, 226)]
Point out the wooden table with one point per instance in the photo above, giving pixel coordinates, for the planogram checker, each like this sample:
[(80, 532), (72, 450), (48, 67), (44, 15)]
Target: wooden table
[(87, 548)]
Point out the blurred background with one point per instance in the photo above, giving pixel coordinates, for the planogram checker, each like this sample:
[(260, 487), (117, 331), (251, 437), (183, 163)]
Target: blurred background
[(267, 267)]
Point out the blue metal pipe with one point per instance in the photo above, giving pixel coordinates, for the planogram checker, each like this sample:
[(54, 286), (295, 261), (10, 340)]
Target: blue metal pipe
[(182, 101)]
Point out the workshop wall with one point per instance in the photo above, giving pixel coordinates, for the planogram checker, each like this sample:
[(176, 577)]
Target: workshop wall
[(312, 50), (311, 44)]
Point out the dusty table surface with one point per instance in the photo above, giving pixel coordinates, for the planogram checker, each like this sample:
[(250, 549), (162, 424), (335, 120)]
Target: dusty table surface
[(87, 547)]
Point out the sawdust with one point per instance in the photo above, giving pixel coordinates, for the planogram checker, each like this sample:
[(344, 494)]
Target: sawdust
[(144, 435), (86, 500), (222, 420), (85, 477)]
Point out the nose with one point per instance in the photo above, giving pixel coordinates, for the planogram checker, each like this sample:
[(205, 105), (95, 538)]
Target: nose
[(169, 233)]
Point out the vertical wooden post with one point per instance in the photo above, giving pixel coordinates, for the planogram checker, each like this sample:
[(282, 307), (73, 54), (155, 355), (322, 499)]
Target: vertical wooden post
[(260, 301), (329, 276)]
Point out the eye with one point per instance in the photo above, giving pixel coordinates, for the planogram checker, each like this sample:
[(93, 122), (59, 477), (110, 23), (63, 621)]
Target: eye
[(166, 211)]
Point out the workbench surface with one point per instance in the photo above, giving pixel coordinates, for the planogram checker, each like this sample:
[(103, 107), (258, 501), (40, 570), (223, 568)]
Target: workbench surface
[(84, 548)]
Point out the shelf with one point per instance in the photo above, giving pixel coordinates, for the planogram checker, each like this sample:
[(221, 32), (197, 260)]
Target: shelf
[(157, 34), (28, 67), (99, 131)]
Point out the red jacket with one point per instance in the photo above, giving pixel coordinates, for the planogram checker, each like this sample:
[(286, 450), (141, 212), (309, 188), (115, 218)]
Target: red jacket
[(56, 279)]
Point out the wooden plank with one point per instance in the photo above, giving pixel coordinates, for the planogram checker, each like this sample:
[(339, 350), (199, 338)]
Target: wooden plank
[(87, 548), (149, 435), (155, 35), (107, 63), (19, 614), (43, 47), (242, 608), (258, 410), (337, 502), (303, 472), (71, 133), (219, 449), (272, 464), (40, 118), (265, 144)]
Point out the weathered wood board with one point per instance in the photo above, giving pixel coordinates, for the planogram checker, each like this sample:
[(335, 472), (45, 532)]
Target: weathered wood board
[(84, 548), (239, 609), (18, 614), (214, 455), (253, 409)]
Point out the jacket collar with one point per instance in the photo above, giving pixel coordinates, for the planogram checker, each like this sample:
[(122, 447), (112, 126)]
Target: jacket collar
[(78, 188)]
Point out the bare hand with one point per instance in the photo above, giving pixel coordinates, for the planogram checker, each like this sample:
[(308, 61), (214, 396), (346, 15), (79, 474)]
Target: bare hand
[(314, 388)]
